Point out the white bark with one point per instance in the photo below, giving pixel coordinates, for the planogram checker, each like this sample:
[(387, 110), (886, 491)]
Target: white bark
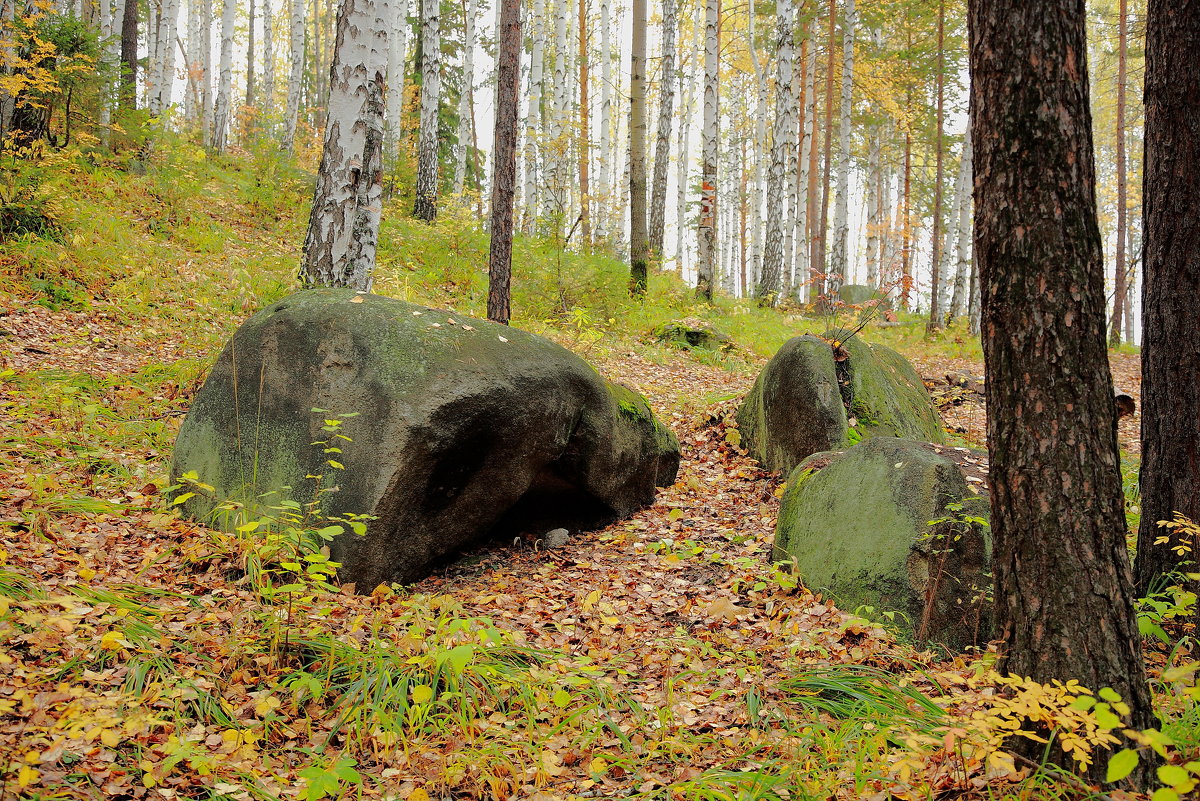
[(111, 55), (295, 72), (685, 132), (431, 95), (166, 56), (782, 166), (150, 75), (603, 189), (397, 60), (558, 114), (760, 155), (220, 129), (803, 254), (206, 100), (533, 115), (268, 101), (191, 95), (962, 227), (464, 100), (343, 228), (662, 153), (839, 260), (706, 268)]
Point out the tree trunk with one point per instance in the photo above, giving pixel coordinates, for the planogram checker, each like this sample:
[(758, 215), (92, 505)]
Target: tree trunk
[(662, 153), (343, 229), (504, 160), (397, 66), (816, 266), (1063, 594), (685, 132), (250, 58), (295, 73), (800, 201), (585, 143), (106, 34), (874, 187), (604, 161), (784, 135), (221, 118), (1119, 310), (935, 286), (762, 89), (823, 236), (533, 116), (639, 242), (1170, 472), (962, 211), (839, 263), (129, 55), (470, 11), (206, 95), (268, 101), (431, 93), (709, 132)]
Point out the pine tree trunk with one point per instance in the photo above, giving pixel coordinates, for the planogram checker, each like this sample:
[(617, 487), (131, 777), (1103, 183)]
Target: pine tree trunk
[(1170, 472), (504, 161), (431, 93), (221, 117), (470, 11), (709, 134), (295, 73), (129, 54), (1063, 594), (662, 154), (639, 241), (935, 285), (839, 262), (768, 289), (397, 66), (533, 116), (1114, 337), (343, 228)]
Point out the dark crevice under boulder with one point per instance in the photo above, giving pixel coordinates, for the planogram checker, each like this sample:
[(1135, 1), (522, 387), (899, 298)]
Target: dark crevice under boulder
[(692, 333), (465, 430), (856, 526), (824, 393)]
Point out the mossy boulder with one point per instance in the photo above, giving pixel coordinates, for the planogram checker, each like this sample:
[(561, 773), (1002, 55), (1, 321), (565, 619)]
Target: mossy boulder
[(856, 526), (464, 430), (825, 393), (691, 333), (861, 294)]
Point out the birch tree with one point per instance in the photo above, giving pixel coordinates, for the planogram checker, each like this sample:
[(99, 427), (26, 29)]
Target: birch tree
[(268, 103), (397, 62), (221, 116), (935, 288), (709, 134), (1119, 291), (685, 130), (295, 72), (533, 116), (782, 166), (760, 148), (471, 10), (662, 152), (639, 242), (839, 263), (431, 92), (343, 228), (206, 93), (605, 155), (962, 225), (800, 200)]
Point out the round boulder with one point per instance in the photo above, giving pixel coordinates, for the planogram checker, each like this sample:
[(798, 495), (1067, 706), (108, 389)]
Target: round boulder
[(448, 431), (892, 524)]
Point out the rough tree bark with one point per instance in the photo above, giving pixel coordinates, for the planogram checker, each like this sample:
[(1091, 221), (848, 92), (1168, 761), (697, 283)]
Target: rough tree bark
[(1170, 473), (662, 152), (962, 212), (343, 228), (639, 242), (533, 115), (129, 55), (784, 135), (397, 63), (295, 73), (1063, 591), (470, 11), (1114, 336), (935, 285), (431, 94), (585, 112), (839, 262), (224, 108), (504, 161)]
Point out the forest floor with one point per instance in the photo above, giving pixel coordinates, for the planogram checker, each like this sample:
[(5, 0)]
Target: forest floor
[(663, 657)]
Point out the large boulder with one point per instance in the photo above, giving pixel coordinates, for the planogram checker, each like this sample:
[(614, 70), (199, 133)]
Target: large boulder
[(856, 525), (465, 429), (861, 294), (693, 333), (825, 393)]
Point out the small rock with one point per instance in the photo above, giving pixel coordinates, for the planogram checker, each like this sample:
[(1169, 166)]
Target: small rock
[(556, 538)]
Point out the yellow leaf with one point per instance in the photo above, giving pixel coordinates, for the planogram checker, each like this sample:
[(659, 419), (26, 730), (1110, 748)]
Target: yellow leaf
[(418, 794), (598, 767), (26, 776), (356, 299), (110, 737), (591, 600), (86, 573), (422, 693), (111, 641)]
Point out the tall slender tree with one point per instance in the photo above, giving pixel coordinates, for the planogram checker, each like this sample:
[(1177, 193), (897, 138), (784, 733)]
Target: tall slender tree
[(343, 227), (839, 264), (428, 160), (295, 72), (470, 11), (585, 113), (935, 287), (129, 54), (224, 109), (821, 260), (1063, 594), (533, 115), (662, 151), (709, 134), (1119, 274), (1170, 472), (639, 241), (250, 98), (783, 143), (504, 160)]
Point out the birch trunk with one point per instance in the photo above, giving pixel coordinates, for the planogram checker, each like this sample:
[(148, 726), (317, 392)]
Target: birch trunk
[(343, 229), (767, 291), (225, 80), (558, 112), (685, 131), (106, 33), (167, 54), (431, 92), (533, 149), (935, 286), (706, 263), (250, 88), (191, 95), (874, 186), (639, 241), (470, 10), (760, 154), (803, 203), (604, 163), (662, 154), (206, 94), (397, 63), (295, 73), (268, 104), (585, 111), (962, 210), (1120, 290), (840, 257), (792, 178)]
